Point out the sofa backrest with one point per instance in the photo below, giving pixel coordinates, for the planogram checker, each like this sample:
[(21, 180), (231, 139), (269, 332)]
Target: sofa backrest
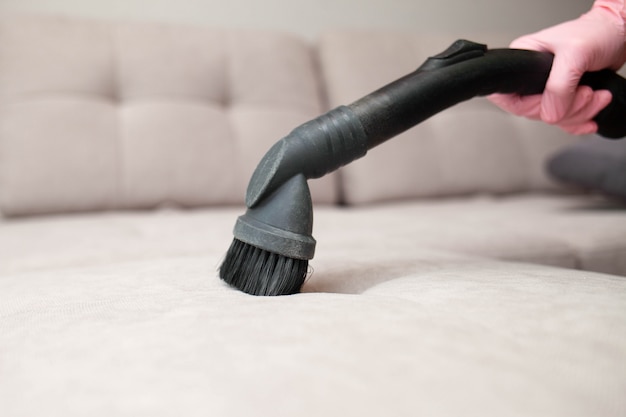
[(104, 115), (101, 115), (470, 148)]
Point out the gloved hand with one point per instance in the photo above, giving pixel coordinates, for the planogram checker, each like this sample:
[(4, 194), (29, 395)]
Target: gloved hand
[(592, 42)]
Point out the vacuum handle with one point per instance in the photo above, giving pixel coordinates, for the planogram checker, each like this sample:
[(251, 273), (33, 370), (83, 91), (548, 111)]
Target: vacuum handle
[(466, 70), (612, 119)]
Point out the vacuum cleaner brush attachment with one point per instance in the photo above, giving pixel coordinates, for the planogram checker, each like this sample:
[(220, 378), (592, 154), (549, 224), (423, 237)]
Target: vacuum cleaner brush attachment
[(273, 242), (273, 239)]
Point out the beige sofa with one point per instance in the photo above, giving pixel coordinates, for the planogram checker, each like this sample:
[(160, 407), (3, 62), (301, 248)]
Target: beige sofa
[(453, 276)]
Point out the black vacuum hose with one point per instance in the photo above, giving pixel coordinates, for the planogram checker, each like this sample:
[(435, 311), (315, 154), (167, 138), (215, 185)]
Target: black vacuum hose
[(465, 70), (273, 241)]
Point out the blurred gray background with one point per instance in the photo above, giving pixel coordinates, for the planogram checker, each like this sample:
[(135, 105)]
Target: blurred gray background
[(310, 17)]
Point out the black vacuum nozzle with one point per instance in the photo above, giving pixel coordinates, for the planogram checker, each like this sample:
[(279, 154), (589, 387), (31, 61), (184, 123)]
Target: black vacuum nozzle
[(281, 223), (273, 239), (273, 242)]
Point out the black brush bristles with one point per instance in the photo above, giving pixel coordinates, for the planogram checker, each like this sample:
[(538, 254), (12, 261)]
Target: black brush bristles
[(259, 272)]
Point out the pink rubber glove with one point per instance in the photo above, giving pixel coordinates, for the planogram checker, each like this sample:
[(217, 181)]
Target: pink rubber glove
[(592, 42)]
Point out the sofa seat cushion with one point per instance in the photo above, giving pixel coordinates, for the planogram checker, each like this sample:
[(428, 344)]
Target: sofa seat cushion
[(568, 231), (451, 336), (81, 240), (572, 231), (403, 314)]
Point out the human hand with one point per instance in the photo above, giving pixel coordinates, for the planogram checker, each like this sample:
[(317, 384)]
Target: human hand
[(593, 42)]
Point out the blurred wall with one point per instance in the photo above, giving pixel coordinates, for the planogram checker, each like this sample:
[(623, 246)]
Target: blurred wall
[(310, 17)]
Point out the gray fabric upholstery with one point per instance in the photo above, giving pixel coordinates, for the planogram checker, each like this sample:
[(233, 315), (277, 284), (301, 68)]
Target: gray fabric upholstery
[(123, 314), (97, 116), (476, 304), (596, 164)]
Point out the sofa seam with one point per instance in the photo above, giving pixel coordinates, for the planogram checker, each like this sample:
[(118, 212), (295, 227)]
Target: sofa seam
[(116, 96)]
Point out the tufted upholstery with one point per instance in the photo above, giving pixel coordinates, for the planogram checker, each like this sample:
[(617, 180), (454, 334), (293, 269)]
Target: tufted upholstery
[(97, 115)]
